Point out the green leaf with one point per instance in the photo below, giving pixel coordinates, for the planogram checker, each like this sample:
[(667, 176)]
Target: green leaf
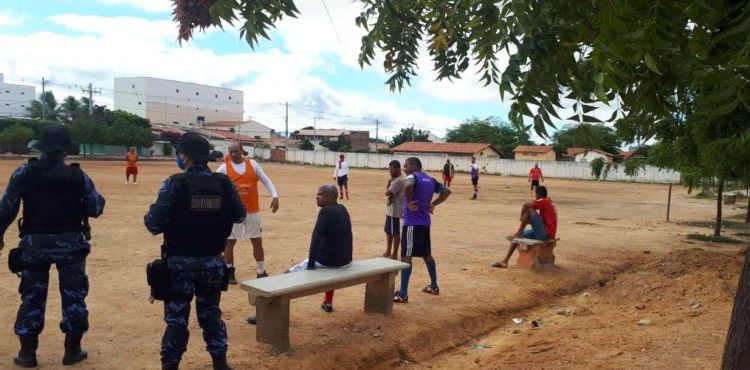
[(650, 63), (599, 78)]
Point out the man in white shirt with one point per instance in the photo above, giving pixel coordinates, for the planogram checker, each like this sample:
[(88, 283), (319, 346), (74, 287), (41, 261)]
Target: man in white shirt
[(245, 174), (341, 174)]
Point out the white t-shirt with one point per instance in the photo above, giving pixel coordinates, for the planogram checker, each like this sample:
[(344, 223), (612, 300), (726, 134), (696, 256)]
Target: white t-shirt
[(395, 203), (343, 171), (241, 168)]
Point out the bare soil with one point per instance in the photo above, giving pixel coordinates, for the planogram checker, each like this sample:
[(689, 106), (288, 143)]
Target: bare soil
[(616, 246)]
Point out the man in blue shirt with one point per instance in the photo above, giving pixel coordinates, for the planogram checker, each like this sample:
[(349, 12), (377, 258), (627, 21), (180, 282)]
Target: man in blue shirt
[(195, 211), (415, 235), (57, 199)]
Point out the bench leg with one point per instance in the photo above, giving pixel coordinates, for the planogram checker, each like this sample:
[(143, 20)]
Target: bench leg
[(379, 294), (526, 258), (273, 323), (545, 256)]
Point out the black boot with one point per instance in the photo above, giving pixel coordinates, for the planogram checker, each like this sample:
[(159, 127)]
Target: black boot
[(220, 362), (169, 366), (73, 351), (27, 355)]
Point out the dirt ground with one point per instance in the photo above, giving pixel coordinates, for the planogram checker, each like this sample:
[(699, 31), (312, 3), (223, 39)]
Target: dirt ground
[(618, 262)]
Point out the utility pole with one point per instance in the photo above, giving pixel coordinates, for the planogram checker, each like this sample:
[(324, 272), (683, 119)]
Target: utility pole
[(91, 92), (377, 138), (315, 134), (412, 132), (286, 120), (44, 105)]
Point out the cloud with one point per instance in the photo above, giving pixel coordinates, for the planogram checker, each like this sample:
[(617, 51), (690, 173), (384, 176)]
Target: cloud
[(151, 6), (9, 18)]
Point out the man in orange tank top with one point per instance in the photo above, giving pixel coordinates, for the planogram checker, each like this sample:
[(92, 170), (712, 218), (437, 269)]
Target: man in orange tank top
[(245, 174), (132, 168)]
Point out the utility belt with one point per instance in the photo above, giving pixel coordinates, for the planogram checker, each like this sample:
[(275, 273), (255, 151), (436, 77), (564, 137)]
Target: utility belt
[(159, 280), (17, 264)]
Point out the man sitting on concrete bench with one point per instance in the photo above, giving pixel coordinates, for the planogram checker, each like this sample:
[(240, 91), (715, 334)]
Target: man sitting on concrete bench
[(541, 214), (331, 242)]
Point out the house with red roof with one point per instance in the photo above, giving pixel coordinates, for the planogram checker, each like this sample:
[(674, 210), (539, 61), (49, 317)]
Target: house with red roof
[(577, 154), (534, 153), (478, 150)]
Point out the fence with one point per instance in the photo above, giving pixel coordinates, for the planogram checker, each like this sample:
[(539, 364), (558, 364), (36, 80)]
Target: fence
[(503, 167)]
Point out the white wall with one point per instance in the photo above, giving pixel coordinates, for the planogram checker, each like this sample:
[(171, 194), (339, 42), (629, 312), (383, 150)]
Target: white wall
[(168, 101), (503, 167), (14, 99)]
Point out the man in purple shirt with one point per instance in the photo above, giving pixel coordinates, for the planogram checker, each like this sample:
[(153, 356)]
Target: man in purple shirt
[(415, 234)]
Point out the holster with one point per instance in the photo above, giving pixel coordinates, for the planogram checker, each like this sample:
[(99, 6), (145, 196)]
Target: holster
[(16, 264), (228, 271), (157, 276)]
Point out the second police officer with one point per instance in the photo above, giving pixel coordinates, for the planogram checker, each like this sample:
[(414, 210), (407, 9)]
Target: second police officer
[(195, 211)]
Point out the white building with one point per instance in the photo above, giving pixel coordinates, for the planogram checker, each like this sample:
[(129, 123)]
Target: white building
[(177, 103), (587, 155), (14, 99), (249, 128)]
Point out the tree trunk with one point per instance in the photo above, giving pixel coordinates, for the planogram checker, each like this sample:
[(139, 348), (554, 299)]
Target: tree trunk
[(720, 190), (737, 346)]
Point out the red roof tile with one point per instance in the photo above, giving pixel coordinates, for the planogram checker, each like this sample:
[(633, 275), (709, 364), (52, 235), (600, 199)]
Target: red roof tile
[(532, 149), (428, 147)]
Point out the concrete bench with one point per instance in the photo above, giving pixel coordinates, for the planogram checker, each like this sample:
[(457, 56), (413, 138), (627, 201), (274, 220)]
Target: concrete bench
[(271, 295), (534, 254)]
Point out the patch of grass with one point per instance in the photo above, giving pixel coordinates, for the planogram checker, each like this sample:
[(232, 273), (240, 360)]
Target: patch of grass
[(745, 234), (704, 195), (711, 238), (739, 216), (607, 219), (725, 224)]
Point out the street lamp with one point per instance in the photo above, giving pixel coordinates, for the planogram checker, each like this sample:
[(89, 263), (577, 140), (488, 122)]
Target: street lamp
[(315, 119)]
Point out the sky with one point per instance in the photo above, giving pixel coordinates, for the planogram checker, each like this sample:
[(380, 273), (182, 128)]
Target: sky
[(310, 62)]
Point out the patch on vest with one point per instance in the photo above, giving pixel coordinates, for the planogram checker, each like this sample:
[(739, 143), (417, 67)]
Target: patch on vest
[(205, 203)]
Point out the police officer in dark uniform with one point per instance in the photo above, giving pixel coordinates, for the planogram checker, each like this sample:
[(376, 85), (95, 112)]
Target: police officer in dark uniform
[(195, 211), (57, 198)]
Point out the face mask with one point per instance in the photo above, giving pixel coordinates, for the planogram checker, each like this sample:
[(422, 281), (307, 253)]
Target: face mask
[(180, 163)]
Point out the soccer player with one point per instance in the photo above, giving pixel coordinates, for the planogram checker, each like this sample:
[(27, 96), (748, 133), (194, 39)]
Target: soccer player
[(393, 212), (541, 214), (341, 175), (132, 167), (534, 175), (448, 172), (474, 166), (418, 205), (245, 174)]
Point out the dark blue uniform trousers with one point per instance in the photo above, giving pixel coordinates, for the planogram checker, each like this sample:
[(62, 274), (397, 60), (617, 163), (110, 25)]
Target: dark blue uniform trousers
[(203, 281), (74, 287)]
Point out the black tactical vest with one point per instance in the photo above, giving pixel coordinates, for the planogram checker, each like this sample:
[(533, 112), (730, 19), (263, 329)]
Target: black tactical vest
[(199, 225), (52, 199)]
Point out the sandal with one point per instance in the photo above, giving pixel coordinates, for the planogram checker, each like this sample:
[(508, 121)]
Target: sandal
[(397, 298), (430, 290), (500, 265)]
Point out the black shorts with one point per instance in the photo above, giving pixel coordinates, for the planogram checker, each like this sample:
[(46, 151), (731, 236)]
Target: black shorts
[(343, 180), (392, 226), (415, 241), (534, 183), (475, 181)]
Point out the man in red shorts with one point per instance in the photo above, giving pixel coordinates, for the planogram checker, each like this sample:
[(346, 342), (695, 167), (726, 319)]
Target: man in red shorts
[(535, 174), (132, 167)]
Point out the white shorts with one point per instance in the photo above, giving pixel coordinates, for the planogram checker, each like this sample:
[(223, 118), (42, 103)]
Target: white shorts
[(303, 266), (250, 229)]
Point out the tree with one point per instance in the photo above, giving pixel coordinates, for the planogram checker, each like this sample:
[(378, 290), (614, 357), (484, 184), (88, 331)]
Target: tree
[(70, 109), (44, 108), (586, 135), (15, 138), (306, 145), (409, 134), (489, 130)]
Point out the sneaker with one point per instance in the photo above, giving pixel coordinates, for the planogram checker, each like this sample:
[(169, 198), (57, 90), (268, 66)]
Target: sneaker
[(252, 320), (430, 290), (232, 278), (397, 298), (264, 274), (327, 307)]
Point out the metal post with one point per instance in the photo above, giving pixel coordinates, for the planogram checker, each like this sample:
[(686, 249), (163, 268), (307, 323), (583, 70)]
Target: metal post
[(669, 201), (377, 139), (286, 120)]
